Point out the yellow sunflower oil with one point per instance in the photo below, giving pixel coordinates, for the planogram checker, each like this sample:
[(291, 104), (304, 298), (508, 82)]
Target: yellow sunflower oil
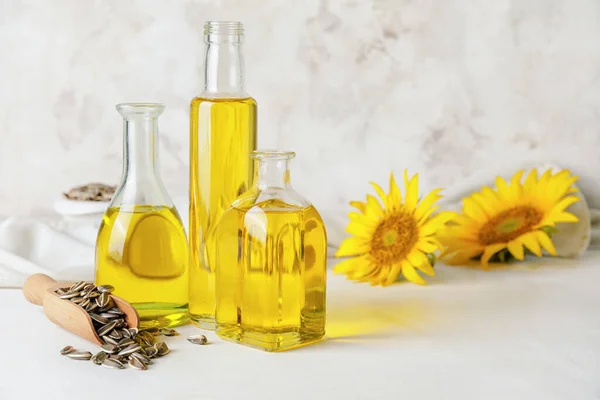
[(142, 251), (271, 274), (222, 136)]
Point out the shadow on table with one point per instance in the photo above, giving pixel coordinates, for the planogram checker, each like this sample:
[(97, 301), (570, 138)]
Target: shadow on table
[(366, 321)]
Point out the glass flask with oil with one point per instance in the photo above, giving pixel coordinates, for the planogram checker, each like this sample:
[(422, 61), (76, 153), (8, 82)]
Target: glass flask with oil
[(141, 247), (271, 255), (222, 136)]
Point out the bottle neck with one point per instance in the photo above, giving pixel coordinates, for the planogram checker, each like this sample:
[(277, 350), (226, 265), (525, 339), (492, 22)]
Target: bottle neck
[(140, 148), (224, 66), (271, 174)]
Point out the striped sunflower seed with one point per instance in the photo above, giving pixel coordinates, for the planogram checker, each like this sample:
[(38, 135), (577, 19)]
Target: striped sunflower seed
[(78, 286), (106, 328), (106, 288), (141, 357), (197, 339), (110, 348), (99, 318), (137, 364), (80, 355), (112, 363), (66, 350), (132, 348), (68, 295), (169, 332), (109, 340), (99, 357), (162, 348)]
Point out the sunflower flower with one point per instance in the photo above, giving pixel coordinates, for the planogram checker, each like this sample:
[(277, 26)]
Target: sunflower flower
[(392, 237), (497, 224)]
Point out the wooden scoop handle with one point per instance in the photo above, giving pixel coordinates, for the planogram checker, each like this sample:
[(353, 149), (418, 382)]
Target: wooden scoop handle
[(35, 288)]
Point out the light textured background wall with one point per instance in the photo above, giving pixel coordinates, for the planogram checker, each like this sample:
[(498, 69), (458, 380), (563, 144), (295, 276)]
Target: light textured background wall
[(356, 87)]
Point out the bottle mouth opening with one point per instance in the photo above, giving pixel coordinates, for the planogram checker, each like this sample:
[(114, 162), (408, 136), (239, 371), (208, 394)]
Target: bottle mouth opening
[(269, 154), (224, 28), (150, 110)]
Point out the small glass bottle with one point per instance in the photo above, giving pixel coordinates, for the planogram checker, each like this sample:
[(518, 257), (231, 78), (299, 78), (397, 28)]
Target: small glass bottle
[(222, 135), (271, 263), (142, 248)]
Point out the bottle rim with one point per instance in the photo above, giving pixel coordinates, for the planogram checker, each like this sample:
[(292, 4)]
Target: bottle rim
[(272, 154), (151, 110), (226, 28)]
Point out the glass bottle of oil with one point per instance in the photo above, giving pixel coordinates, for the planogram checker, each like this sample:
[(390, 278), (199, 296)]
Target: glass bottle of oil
[(222, 135), (271, 263), (142, 248)]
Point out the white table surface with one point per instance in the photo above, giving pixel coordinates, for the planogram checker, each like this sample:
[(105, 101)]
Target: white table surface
[(529, 331)]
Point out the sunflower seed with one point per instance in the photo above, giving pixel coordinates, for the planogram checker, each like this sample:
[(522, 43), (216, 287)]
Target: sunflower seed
[(106, 288), (66, 350), (112, 363), (109, 340), (89, 287), (68, 295), (132, 348), (197, 339), (84, 303), (137, 364), (99, 357), (162, 348), (146, 338), (169, 332), (119, 358), (125, 342), (120, 323), (108, 315), (99, 318), (106, 328), (115, 310), (154, 331), (91, 307), (80, 355), (133, 332), (93, 295), (110, 348), (126, 334), (60, 291), (78, 286), (141, 357), (115, 334), (150, 351)]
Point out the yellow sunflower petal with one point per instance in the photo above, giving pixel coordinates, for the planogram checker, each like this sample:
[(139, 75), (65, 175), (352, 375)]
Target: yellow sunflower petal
[(412, 191), (359, 205), (546, 243), (560, 217), (392, 275), (531, 179), (353, 246), (374, 209), (416, 258), (473, 210), (516, 249), (530, 241), (395, 197), (489, 252), (426, 268), (427, 203), (426, 247), (411, 274), (381, 194), (357, 229), (345, 266), (564, 203)]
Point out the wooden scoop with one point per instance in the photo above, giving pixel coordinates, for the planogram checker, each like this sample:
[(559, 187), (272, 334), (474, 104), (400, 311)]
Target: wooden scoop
[(39, 289)]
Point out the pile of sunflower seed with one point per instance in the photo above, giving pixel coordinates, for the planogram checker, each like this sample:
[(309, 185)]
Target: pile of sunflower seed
[(122, 345)]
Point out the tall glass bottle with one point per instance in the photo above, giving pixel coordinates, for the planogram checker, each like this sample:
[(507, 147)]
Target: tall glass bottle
[(222, 135), (141, 248), (271, 263)]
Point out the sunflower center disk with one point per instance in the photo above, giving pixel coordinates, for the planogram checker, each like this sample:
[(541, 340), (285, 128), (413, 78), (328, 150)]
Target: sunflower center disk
[(509, 225), (394, 237)]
